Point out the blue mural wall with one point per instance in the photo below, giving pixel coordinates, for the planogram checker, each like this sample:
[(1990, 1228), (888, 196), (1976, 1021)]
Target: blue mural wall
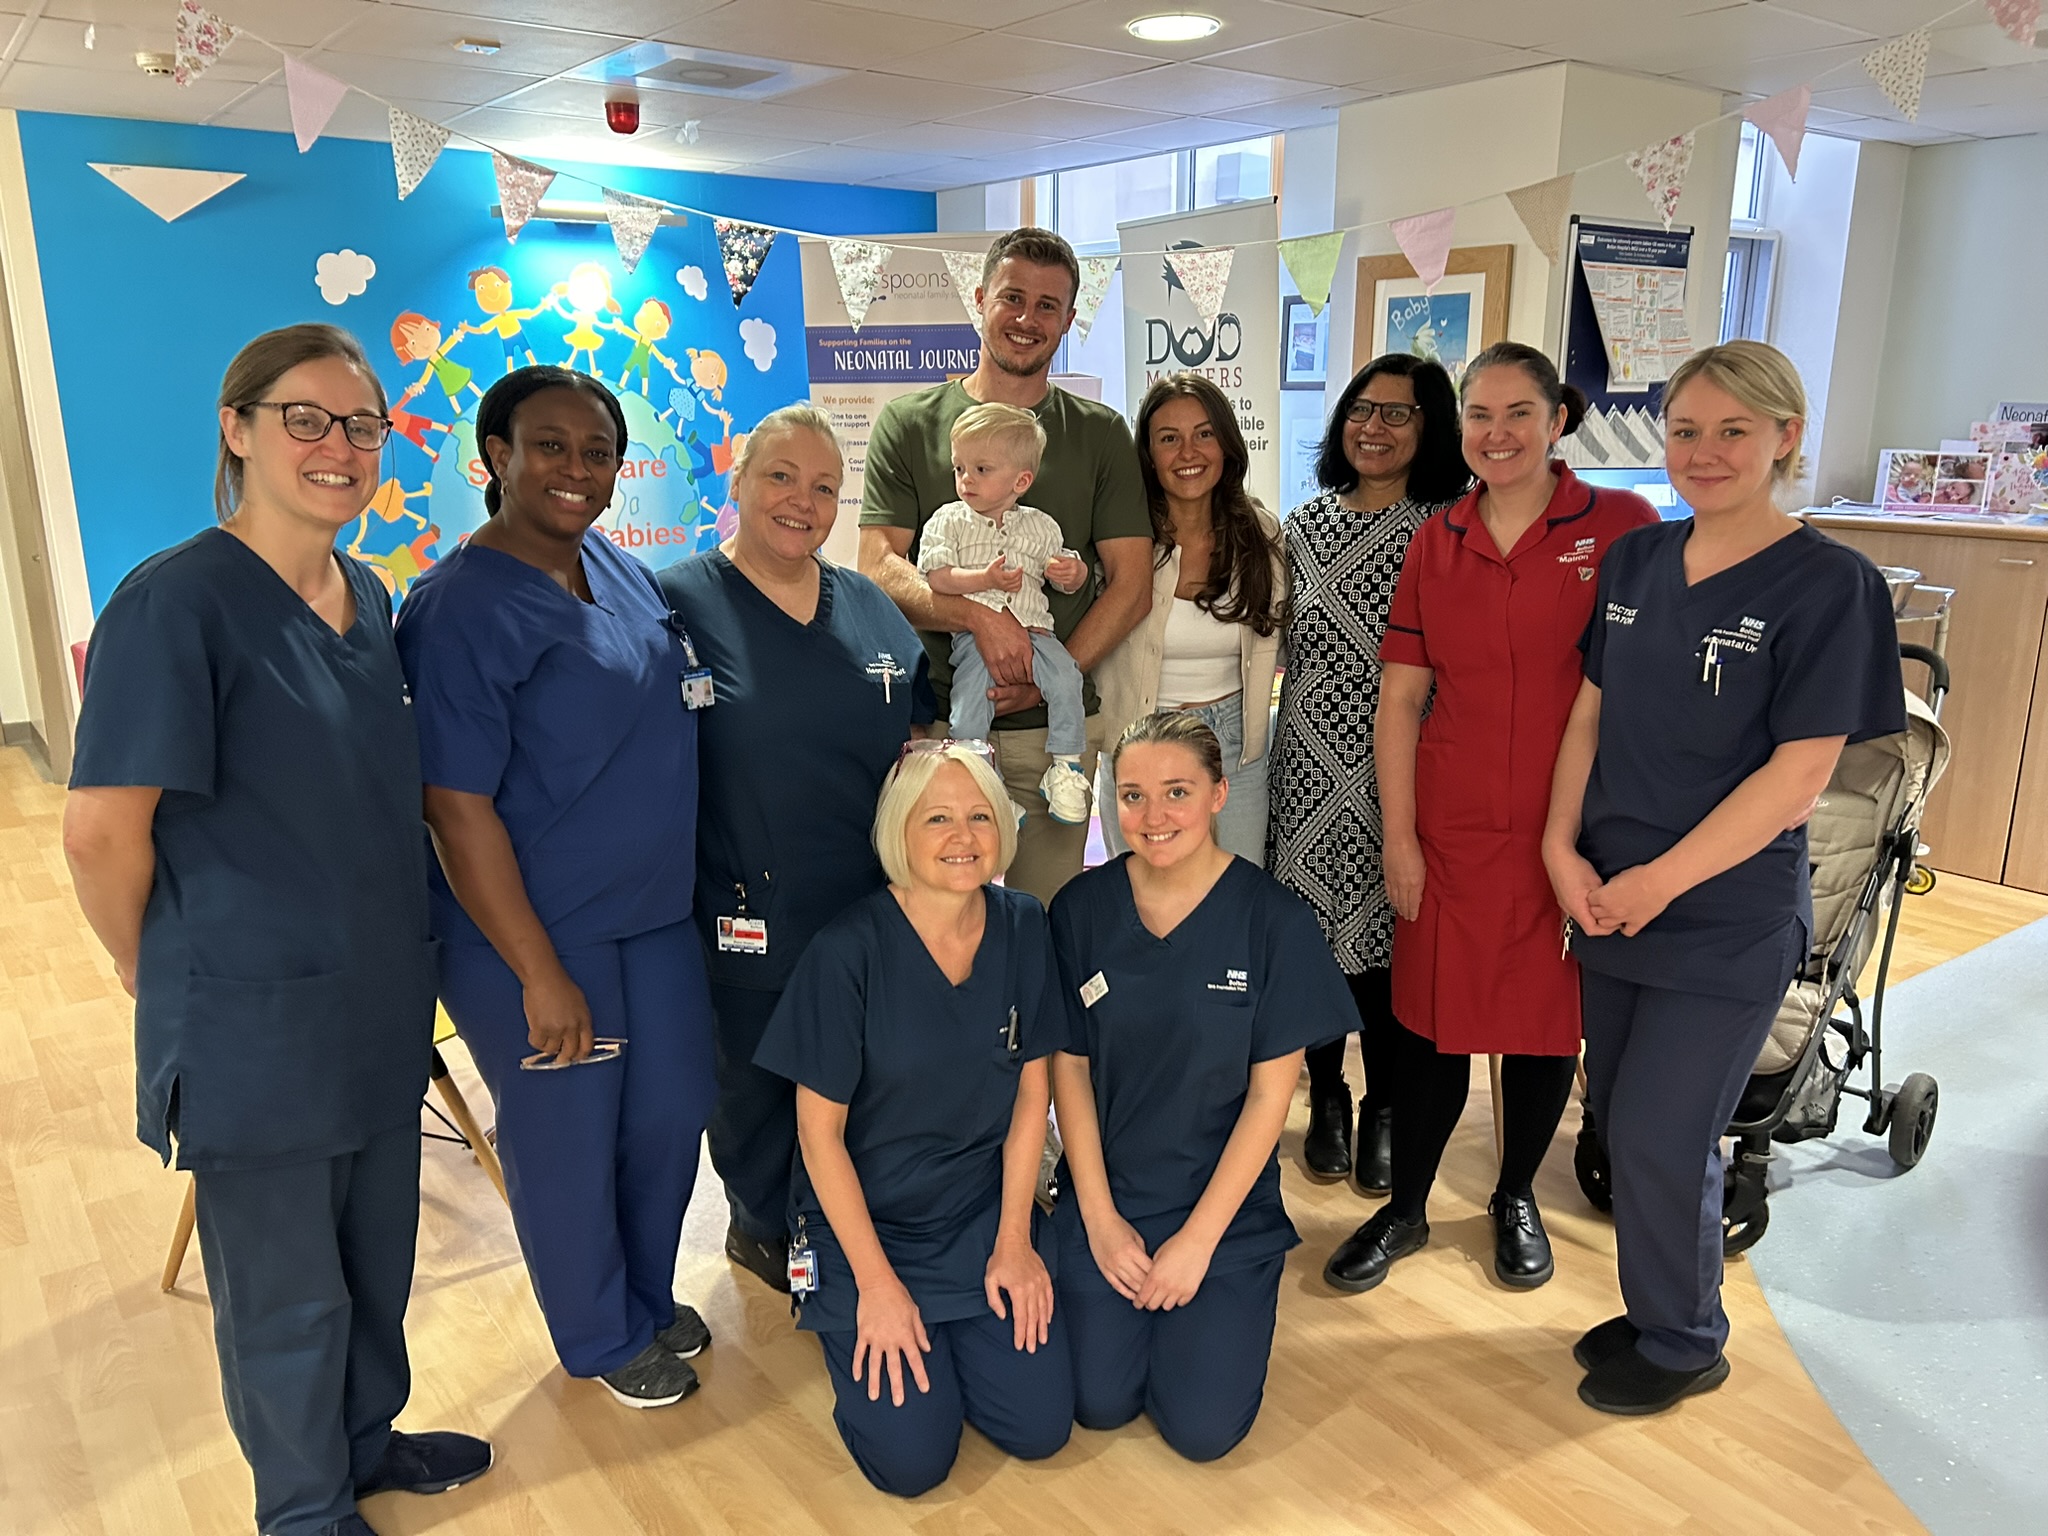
[(144, 317)]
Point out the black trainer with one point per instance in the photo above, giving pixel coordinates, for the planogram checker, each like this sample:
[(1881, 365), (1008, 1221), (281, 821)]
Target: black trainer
[(1363, 1259), (686, 1336), (654, 1378), (1326, 1148), (1628, 1385), (1603, 1341), (348, 1525), (768, 1259), (430, 1463), (1521, 1248), (1374, 1167)]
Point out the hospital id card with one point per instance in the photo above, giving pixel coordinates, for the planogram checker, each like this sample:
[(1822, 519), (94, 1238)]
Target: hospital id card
[(698, 692), (743, 936), (1094, 990)]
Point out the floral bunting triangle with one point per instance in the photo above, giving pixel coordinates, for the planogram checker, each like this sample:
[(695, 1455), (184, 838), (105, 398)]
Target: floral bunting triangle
[(415, 145), (1096, 272), (742, 248), (1542, 206), (1204, 276), (1312, 263), (521, 186), (313, 96), (1425, 239), (1900, 70), (964, 268), (2017, 19), (1782, 120), (858, 266), (202, 38), (633, 221), (1661, 168)]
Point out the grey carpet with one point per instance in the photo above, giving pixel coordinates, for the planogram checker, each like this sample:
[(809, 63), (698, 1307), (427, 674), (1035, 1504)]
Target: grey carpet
[(1918, 1301)]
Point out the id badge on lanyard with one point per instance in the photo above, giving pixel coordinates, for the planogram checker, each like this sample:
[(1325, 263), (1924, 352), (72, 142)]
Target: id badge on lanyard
[(803, 1267), (698, 692), (742, 933)]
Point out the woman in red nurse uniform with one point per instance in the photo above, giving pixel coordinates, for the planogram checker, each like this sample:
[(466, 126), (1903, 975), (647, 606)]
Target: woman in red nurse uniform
[(1483, 641)]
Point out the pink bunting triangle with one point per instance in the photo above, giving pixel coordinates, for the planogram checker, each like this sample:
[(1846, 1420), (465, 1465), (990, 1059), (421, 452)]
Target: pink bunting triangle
[(633, 221), (1661, 168), (202, 38), (1204, 276), (314, 96), (1782, 118), (1425, 239), (521, 186), (2017, 19)]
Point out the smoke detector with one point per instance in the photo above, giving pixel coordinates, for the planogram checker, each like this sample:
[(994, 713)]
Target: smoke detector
[(155, 63)]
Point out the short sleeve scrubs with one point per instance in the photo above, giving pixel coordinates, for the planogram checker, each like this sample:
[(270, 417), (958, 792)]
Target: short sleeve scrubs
[(1171, 1034), (928, 1072), (1699, 685), (285, 986)]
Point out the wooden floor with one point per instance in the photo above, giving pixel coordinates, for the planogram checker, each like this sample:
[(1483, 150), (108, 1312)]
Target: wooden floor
[(1439, 1403)]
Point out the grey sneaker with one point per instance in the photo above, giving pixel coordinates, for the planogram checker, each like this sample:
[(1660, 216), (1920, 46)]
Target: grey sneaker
[(686, 1336), (1065, 788), (654, 1378)]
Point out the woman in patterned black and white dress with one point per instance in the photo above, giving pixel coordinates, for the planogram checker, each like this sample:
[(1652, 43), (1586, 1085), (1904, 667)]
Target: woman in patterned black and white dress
[(1390, 459)]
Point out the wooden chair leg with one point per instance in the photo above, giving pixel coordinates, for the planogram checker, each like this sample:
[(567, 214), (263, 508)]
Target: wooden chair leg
[(181, 1236), (1500, 1114), (465, 1122)]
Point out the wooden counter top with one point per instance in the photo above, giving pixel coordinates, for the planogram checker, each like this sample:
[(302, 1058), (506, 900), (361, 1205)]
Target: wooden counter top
[(1900, 522)]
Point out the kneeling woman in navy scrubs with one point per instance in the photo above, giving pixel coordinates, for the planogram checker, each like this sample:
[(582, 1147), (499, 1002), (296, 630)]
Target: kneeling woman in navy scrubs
[(244, 832), (1194, 981), (557, 702), (915, 1028), (1730, 658)]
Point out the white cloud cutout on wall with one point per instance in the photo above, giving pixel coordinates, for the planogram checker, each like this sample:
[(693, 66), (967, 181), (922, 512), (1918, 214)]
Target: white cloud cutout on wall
[(692, 281), (342, 275), (759, 336)]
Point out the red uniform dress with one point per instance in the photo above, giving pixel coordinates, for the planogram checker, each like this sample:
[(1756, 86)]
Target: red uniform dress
[(1482, 968)]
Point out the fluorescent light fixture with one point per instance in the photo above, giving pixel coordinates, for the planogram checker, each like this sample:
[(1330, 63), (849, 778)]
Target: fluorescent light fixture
[(554, 212), (1178, 27)]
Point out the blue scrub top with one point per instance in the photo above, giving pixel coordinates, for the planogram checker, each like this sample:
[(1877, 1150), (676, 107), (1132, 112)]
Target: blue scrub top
[(1245, 978), (810, 719), (285, 988), (570, 716), (1806, 646), (928, 1072)]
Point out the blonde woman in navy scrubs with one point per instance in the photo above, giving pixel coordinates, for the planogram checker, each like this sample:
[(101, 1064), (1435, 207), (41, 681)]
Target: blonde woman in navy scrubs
[(914, 1031), (1194, 981), (1729, 659)]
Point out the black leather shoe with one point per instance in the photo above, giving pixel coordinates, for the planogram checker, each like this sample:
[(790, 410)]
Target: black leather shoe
[(1375, 1165), (1628, 1385), (1363, 1259), (1326, 1149), (430, 1463), (768, 1259), (1521, 1248), (1602, 1342)]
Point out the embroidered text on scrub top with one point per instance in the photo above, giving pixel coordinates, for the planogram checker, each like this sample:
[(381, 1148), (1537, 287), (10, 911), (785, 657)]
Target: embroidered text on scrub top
[(888, 669), (1233, 981)]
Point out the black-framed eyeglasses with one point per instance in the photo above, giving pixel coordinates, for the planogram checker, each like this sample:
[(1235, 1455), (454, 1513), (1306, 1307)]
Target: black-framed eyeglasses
[(308, 423), (1392, 412)]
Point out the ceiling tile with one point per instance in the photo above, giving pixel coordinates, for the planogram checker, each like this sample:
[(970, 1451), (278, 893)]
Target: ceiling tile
[(1017, 63), (429, 37), (357, 117), (884, 96), (2002, 120), (1102, 24), (61, 42), (512, 130), (1535, 23), (774, 120), (1311, 111), (287, 23), (1185, 133), (633, 19), (1055, 117), (989, 14), (585, 99), (1356, 51), (52, 88), (413, 77), (837, 162), (1712, 37), (1879, 18), (1193, 88), (949, 139), (1771, 73), (813, 32)]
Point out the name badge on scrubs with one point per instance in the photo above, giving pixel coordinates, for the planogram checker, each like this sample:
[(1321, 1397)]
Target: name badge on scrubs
[(803, 1263), (1094, 990), (698, 692), (743, 936)]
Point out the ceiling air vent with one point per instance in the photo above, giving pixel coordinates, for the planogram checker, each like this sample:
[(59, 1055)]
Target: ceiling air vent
[(673, 67), (705, 75)]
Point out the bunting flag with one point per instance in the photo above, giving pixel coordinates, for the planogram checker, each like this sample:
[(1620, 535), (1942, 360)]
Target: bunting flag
[(202, 38), (1782, 118), (164, 191), (1542, 206), (858, 266), (1312, 263), (1425, 239), (633, 221), (521, 186), (1661, 169), (2017, 19), (1096, 271), (1203, 276), (1900, 69), (964, 267), (742, 247), (415, 145), (314, 96)]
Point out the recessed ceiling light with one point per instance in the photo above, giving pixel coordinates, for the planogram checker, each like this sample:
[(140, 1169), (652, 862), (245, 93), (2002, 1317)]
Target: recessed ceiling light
[(478, 45), (1179, 27)]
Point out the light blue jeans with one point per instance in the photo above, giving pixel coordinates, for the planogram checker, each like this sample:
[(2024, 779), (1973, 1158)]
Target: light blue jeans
[(1241, 829), (1059, 684)]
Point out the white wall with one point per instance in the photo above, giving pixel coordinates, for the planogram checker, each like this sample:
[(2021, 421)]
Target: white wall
[(14, 697)]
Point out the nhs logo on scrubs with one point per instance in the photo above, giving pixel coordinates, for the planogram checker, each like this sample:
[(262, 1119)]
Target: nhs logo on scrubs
[(1233, 981)]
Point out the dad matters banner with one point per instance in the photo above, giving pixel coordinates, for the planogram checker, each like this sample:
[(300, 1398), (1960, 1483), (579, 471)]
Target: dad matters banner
[(916, 333), (1240, 352)]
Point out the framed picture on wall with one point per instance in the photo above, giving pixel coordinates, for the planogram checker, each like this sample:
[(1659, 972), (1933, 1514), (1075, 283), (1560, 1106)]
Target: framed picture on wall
[(1304, 344), (1467, 313)]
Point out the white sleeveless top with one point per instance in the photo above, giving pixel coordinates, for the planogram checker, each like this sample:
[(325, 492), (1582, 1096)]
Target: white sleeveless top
[(1201, 661)]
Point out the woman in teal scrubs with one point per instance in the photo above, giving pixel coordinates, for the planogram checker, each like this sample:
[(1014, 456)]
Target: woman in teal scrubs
[(244, 832)]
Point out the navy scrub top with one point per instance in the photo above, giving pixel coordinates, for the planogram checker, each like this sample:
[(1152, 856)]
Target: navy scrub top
[(928, 1072), (285, 988), (570, 716), (1245, 978), (810, 719), (1698, 686)]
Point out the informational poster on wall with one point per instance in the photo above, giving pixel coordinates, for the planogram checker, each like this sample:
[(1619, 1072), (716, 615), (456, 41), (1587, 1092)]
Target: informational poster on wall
[(916, 333), (1240, 351), (1626, 328)]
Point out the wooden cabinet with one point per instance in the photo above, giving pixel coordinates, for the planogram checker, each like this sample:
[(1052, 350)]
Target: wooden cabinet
[(1986, 818)]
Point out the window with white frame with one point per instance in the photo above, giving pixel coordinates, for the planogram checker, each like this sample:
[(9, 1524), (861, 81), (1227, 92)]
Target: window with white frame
[(1749, 278)]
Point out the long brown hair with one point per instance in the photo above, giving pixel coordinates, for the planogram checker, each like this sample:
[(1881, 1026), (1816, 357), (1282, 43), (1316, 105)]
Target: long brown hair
[(1240, 585), (261, 364)]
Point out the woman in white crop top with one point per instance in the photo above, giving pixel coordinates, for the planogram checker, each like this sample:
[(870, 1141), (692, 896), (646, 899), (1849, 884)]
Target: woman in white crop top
[(1211, 643)]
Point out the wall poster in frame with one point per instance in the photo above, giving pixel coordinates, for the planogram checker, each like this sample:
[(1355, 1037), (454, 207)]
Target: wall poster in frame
[(1304, 344), (1467, 314)]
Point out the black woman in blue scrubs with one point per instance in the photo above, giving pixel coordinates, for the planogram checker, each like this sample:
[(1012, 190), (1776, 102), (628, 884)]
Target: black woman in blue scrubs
[(1729, 658), (819, 681), (1194, 981), (558, 704), (244, 833), (915, 1031)]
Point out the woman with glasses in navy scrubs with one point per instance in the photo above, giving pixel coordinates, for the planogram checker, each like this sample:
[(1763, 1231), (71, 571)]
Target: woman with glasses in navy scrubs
[(557, 704), (1729, 660), (244, 833), (1193, 982), (915, 1031)]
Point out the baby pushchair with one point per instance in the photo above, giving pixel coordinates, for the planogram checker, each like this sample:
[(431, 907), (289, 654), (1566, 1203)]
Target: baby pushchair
[(1862, 842)]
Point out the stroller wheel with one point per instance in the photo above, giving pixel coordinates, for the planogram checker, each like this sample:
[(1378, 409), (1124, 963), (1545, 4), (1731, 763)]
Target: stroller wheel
[(1913, 1109), (1920, 881), (1589, 1162), (1741, 1236)]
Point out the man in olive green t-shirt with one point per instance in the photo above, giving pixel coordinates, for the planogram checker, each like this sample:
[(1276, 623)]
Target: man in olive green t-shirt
[(1087, 481)]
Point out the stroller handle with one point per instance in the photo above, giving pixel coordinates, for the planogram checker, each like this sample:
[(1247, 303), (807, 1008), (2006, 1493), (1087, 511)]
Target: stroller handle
[(1933, 661)]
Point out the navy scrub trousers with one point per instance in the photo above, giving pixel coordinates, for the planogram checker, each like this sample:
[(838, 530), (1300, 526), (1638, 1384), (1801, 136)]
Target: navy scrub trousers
[(752, 1130)]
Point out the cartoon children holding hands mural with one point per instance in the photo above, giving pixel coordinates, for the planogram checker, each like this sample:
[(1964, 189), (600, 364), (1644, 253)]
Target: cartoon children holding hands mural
[(493, 289), (416, 339)]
